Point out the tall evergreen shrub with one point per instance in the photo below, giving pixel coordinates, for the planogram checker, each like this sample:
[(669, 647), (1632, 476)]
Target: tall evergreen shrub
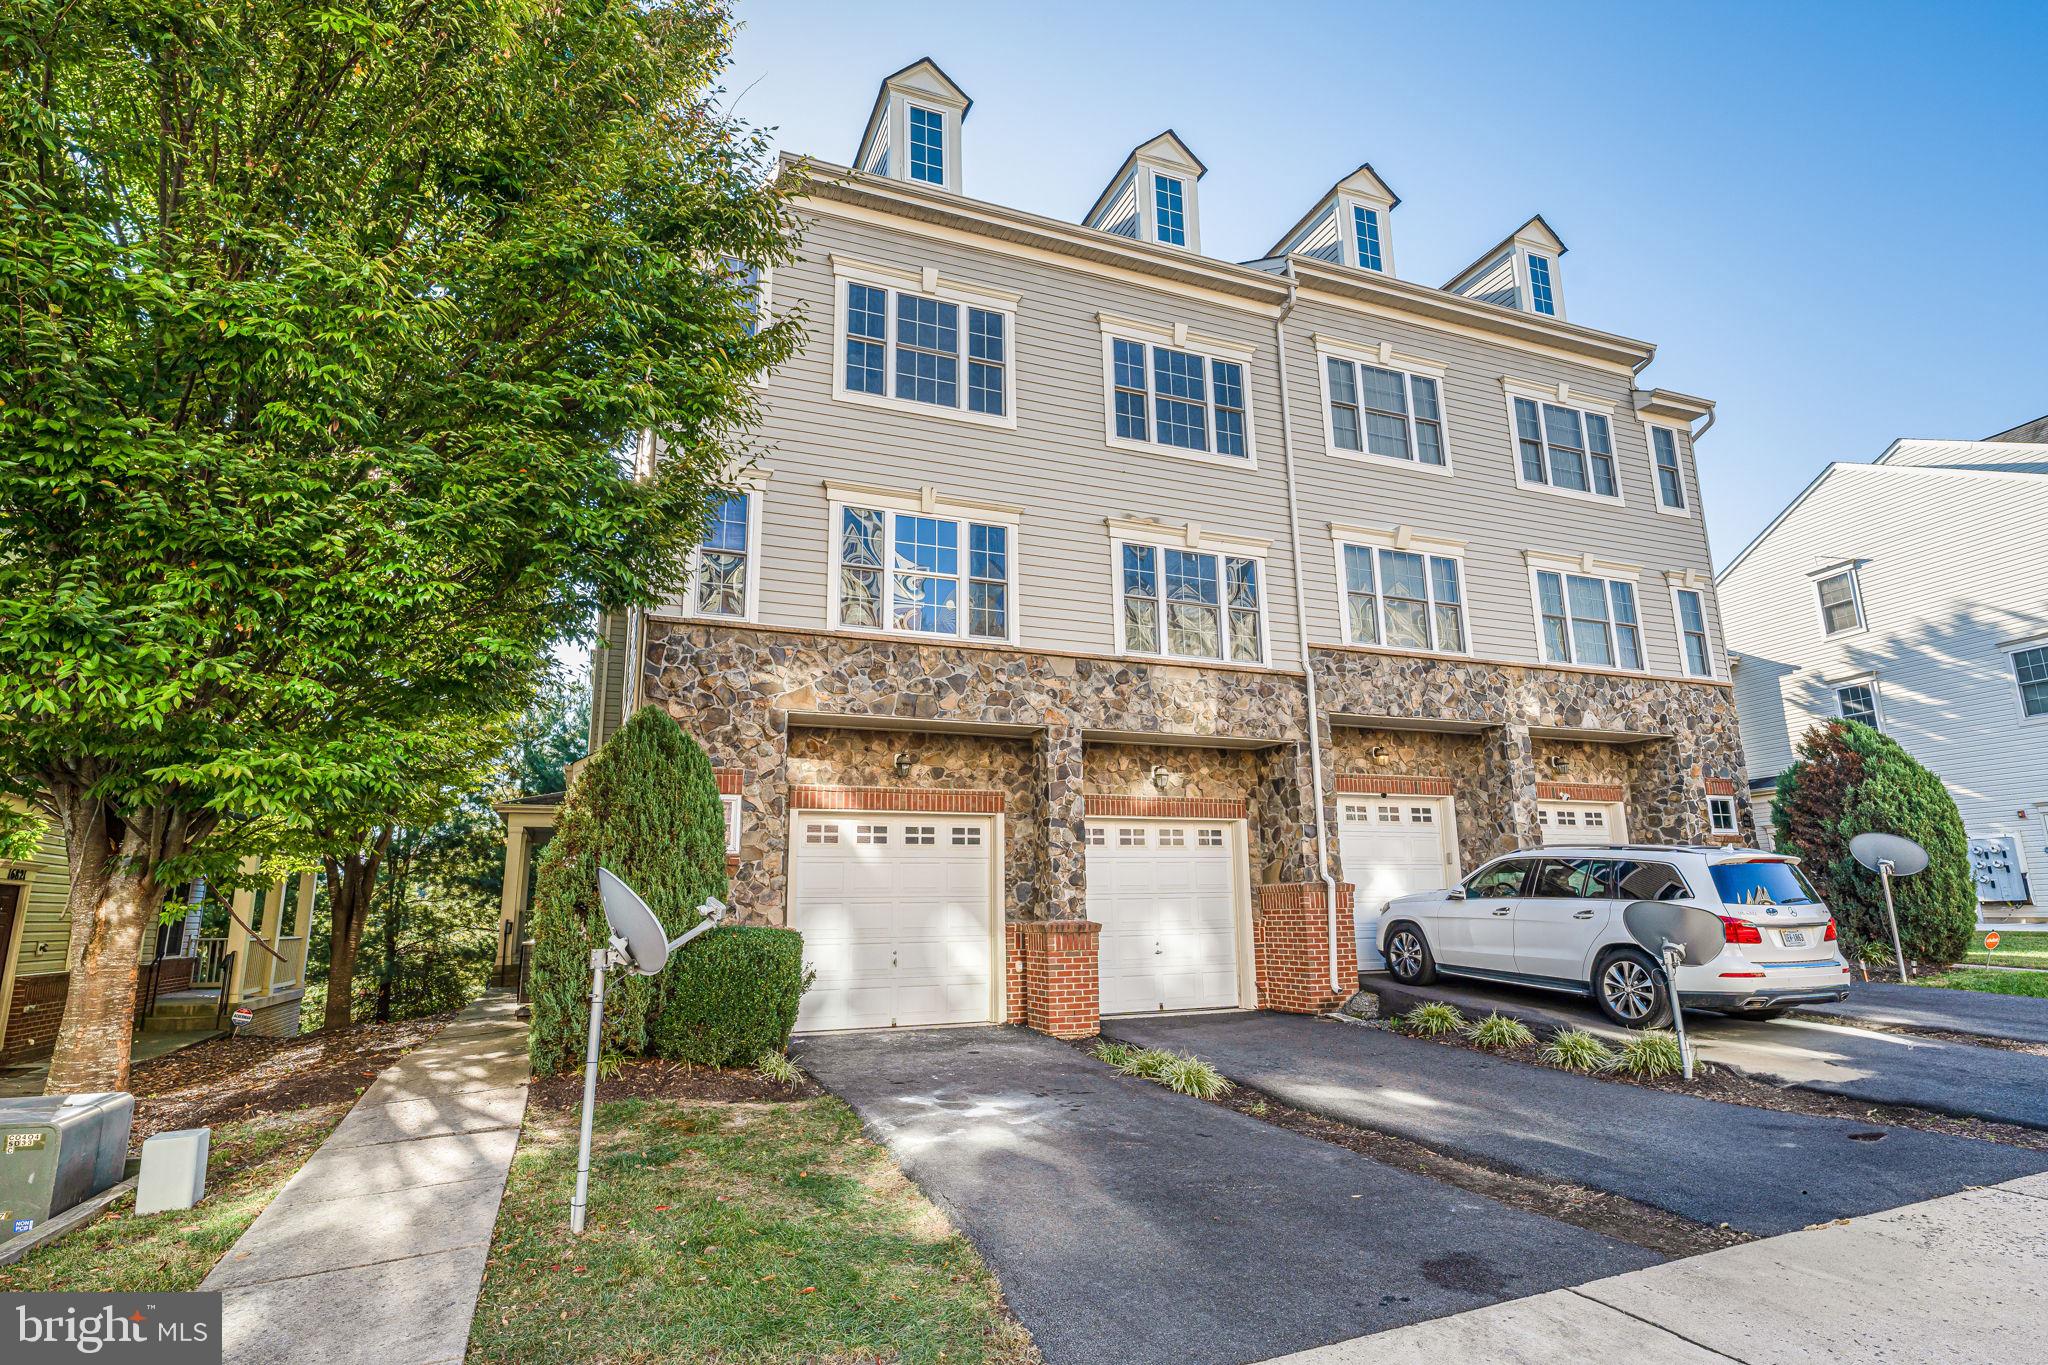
[(1851, 779)]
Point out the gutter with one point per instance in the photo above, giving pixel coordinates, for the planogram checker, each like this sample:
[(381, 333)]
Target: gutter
[(1315, 746)]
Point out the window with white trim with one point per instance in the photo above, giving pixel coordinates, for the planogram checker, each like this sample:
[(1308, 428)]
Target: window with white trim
[(1169, 200), (1721, 815), (927, 145), (1389, 413), (1403, 600), (1562, 447), (917, 348), (1541, 297), (1190, 604), (1168, 396), (1692, 632), (1589, 620), (730, 806), (724, 560), (926, 575), (1858, 701), (1841, 605), (1365, 229), (2030, 669), (1670, 480)]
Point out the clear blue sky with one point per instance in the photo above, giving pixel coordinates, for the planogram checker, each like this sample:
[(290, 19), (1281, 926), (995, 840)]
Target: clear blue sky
[(1831, 219)]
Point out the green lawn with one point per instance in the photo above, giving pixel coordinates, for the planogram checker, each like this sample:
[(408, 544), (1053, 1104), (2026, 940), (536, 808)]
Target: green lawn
[(118, 1252), (2016, 948), (757, 1233), (1994, 983)]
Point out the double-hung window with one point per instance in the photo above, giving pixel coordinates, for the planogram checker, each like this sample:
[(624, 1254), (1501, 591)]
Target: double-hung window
[(1170, 212), (1589, 620), (924, 574), (1841, 606), (1190, 604), (1670, 482), (1164, 395), (2030, 669), (927, 145), (1403, 599), (1692, 632), (927, 351), (1388, 413), (1541, 297), (1365, 227), (1858, 701), (724, 561), (1567, 448)]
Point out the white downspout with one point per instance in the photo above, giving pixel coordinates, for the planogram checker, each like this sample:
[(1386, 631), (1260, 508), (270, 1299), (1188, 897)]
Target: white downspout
[(1308, 669)]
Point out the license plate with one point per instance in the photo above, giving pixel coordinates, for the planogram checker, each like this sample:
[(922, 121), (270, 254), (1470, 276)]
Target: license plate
[(1792, 938)]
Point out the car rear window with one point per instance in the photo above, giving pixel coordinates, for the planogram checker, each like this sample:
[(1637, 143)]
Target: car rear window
[(1762, 883)]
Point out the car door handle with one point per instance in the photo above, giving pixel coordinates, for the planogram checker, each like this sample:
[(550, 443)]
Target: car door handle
[(1583, 914), (1504, 910)]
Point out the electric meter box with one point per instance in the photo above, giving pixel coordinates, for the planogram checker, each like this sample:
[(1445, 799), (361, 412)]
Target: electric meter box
[(56, 1150)]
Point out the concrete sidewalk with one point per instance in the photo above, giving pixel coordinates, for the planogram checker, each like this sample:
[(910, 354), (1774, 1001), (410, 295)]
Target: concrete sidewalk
[(374, 1252), (1960, 1278)]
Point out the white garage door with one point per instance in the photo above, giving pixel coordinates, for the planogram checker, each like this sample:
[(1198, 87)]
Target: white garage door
[(1390, 846), (1581, 822), (1165, 895), (896, 915)]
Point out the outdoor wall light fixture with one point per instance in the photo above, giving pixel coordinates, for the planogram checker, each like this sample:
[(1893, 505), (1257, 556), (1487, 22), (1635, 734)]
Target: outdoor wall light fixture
[(1379, 753), (1160, 777), (903, 765), (1558, 763)]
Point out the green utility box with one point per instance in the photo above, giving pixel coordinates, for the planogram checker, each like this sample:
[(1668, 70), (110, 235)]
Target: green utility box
[(56, 1150)]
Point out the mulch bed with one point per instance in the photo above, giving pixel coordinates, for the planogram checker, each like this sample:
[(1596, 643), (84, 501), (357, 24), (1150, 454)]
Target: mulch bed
[(226, 1080), (659, 1080)]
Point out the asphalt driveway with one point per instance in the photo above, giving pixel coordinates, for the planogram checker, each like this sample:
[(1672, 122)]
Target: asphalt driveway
[(2020, 1018), (1966, 1079), (1758, 1170), (1130, 1224)]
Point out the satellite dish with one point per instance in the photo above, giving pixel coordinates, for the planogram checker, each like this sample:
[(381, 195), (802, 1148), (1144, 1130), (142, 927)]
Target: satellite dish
[(1905, 856), (646, 941), (1698, 934)]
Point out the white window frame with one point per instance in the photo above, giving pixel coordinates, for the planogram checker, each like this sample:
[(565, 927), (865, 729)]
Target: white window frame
[(753, 489), (1678, 446), (1347, 208), (2012, 650), (926, 283), (730, 804), (1383, 357), (1865, 680), (1695, 583), (1734, 817), (1176, 338), (1563, 396), (1852, 570), (1401, 540), (946, 120), (1192, 539), (923, 502), (1148, 175), (1608, 572), (1527, 279)]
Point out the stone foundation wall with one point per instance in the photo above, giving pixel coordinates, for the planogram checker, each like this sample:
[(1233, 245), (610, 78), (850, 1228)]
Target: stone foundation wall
[(1482, 801)]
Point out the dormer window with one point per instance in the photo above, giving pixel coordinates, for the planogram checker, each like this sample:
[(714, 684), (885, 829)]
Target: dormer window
[(1348, 226), (1365, 231), (1520, 272), (1152, 196), (913, 133), (1540, 298)]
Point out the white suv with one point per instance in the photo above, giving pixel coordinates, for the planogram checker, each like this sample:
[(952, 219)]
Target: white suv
[(1551, 918)]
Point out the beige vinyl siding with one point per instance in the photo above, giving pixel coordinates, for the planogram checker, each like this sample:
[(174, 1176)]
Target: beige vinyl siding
[(608, 678), (1949, 576), (1480, 502), (1055, 464), (46, 932)]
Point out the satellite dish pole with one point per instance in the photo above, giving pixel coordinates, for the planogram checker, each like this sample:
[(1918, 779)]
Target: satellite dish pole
[(640, 944), (1676, 934), (1890, 855)]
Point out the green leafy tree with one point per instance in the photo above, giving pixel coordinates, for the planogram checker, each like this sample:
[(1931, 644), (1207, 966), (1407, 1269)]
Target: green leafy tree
[(326, 328), (647, 808), (1850, 779)]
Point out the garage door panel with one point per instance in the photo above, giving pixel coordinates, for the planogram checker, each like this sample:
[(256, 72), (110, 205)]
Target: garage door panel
[(1390, 847), (1165, 896)]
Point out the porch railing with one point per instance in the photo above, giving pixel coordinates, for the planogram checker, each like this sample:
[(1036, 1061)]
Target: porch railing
[(207, 955)]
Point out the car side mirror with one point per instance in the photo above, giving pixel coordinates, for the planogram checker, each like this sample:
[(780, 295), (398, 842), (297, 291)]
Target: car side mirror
[(1456, 893)]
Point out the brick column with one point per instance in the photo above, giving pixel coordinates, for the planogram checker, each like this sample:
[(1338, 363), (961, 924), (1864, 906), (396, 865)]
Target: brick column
[(1291, 942), (1062, 995)]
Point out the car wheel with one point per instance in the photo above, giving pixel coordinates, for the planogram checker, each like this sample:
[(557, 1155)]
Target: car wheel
[(1629, 989), (1408, 956)]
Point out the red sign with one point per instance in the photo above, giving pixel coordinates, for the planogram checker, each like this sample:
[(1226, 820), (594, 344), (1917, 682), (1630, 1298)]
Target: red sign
[(242, 1015), (1990, 940)]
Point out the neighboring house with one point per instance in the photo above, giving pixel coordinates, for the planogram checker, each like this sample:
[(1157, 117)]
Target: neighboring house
[(177, 965), (1908, 594), (1004, 652)]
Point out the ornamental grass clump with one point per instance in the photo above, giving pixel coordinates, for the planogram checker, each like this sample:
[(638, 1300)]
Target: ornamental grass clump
[(1498, 1030), (1178, 1071), (1575, 1049), (776, 1067), (1647, 1056), (1431, 1020)]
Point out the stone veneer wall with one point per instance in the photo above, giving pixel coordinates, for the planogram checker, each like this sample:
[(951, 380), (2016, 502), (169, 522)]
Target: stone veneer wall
[(1481, 801), (1194, 771)]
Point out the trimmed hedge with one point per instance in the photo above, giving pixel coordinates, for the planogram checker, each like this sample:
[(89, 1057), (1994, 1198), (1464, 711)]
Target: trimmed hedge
[(731, 995), (647, 807), (1849, 779)]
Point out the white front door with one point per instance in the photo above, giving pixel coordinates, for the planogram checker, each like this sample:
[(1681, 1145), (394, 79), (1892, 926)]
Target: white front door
[(1164, 892), (1581, 822), (1389, 846), (897, 917)]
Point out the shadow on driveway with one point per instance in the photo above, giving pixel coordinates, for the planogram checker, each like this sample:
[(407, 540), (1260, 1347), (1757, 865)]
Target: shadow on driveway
[(1130, 1224)]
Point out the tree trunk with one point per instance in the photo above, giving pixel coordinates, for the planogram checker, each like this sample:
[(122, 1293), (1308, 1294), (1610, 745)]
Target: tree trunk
[(351, 881), (114, 901)]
